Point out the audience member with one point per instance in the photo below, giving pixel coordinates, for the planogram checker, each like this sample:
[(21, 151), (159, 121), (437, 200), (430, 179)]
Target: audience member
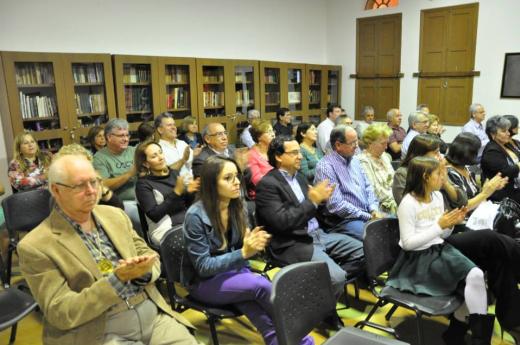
[(423, 108), (377, 165), (306, 136), (115, 162), (498, 157), (394, 118), (418, 124), (477, 115), (513, 144), (353, 201), (426, 145), (435, 128), (219, 243), (96, 138), (215, 136), (283, 124), (245, 137), (326, 126), (189, 132), (145, 131), (91, 274), (427, 264), (463, 152), (287, 206), (367, 113), (107, 197), (177, 153), (160, 191), (28, 169), (257, 161)]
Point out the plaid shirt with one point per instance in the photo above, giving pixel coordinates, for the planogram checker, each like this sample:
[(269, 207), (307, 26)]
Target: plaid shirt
[(124, 290)]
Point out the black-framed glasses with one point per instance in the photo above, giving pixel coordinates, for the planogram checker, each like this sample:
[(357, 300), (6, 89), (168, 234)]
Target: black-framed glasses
[(81, 187), (218, 134), (352, 143)]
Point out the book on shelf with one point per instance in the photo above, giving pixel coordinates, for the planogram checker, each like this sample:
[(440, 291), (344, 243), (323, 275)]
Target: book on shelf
[(213, 76), (137, 99), (271, 78), (34, 73), (314, 77), (294, 97), (314, 96), (213, 98), (87, 103), (177, 74), (136, 73), (242, 77), (34, 105), (243, 98), (272, 97), (177, 98), (87, 73)]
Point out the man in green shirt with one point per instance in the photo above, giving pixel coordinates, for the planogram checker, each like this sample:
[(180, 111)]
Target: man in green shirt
[(115, 162)]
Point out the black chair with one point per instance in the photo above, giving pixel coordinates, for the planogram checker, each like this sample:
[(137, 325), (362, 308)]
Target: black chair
[(381, 246), (302, 297), (23, 211), (173, 257), (14, 306), (144, 228)]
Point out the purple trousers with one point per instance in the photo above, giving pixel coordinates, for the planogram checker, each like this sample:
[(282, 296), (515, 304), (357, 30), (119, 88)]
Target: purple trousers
[(249, 292)]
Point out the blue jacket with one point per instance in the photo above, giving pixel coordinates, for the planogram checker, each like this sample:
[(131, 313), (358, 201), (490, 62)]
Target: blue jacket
[(202, 247)]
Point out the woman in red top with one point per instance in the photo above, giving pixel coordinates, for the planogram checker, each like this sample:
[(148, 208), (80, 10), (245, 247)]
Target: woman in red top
[(258, 163)]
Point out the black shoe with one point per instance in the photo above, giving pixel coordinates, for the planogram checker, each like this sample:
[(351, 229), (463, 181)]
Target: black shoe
[(481, 328), (456, 332), (333, 322)]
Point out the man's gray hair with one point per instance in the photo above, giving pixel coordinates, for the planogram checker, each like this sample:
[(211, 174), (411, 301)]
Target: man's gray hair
[(420, 106), (391, 114), (339, 133), (253, 114), (114, 124), (57, 173), (473, 108), (367, 109), (415, 117)]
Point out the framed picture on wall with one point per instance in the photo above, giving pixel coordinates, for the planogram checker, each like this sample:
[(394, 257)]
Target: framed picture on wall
[(511, 76)]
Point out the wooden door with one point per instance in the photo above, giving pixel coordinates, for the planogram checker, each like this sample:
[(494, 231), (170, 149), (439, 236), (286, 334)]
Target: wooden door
[(447, 60), (378, 64)]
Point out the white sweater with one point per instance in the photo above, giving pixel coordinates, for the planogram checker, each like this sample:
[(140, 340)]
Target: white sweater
[(418, 225)]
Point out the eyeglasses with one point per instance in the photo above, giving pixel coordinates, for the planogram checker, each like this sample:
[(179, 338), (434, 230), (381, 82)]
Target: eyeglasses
[(218, 134), (293, 152), (81, 187), (121, 135), (352, 143)]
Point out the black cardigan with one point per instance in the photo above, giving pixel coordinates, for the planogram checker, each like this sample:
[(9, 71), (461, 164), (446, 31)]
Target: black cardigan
[(494, 160)]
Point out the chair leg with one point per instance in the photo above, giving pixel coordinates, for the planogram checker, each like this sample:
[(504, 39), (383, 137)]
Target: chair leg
[(9, 262), (356, 289), (391, 312), (213, 330), (12, 337), (419, 328), (362, 324)]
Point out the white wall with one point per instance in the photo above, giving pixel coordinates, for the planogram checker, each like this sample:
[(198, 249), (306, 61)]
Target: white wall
[(498, 33), (288, 30)]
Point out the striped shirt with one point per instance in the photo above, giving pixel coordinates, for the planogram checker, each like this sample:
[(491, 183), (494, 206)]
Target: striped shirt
[(353, 198)]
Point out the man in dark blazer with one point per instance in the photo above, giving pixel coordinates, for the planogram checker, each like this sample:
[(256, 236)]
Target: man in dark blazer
[(215, 137), (287, 207)]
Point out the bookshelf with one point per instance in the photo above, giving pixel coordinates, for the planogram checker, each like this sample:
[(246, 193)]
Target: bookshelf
[(333, 82), (245, 80), (315, 84), (90, 92), (178, 86), (137, 88), (296, 102), (271, 88)]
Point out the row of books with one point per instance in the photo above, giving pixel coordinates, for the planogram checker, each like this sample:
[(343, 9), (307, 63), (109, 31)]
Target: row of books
[(271, 77), (87, 73), (136, 74), (244, 77), (213, 99), (272, 97), (177, 74), (243, 98), (315, 77), (314, 96), (34, 73), (35, 105), (213, 76), (177, 98), (137, 99), (87, 103)]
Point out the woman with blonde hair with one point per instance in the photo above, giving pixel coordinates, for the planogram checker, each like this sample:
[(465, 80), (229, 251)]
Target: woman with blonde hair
[(189, 132), (377, 165), (258, 163), (28, 169)]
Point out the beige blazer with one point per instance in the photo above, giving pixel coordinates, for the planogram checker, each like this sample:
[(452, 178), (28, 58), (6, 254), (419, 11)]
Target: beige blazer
[(65, 281)]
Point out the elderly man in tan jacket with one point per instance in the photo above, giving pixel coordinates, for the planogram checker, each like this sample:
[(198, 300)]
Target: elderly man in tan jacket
[(90, 273)]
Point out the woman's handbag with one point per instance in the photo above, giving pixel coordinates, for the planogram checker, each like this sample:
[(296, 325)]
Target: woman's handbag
[(508, 218)]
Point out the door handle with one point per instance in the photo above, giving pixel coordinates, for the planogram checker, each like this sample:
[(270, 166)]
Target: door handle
[(445, 84)]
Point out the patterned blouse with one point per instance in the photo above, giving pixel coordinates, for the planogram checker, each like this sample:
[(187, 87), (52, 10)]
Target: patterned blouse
[(309, 162), (468, 185), (381, 175), (34, 177)]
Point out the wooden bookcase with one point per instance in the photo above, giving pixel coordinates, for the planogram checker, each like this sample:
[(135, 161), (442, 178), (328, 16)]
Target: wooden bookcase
[(333, 83), (227, 89), (272, 88), (316, 86), (137, 89), (44, 98)]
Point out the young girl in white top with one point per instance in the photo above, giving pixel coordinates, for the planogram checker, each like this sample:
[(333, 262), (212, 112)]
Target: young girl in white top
[(428, 265)]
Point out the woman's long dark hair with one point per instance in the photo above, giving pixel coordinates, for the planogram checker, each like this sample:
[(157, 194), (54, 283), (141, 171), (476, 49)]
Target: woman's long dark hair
[(421, 145), (419, 169), (209, 197)]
